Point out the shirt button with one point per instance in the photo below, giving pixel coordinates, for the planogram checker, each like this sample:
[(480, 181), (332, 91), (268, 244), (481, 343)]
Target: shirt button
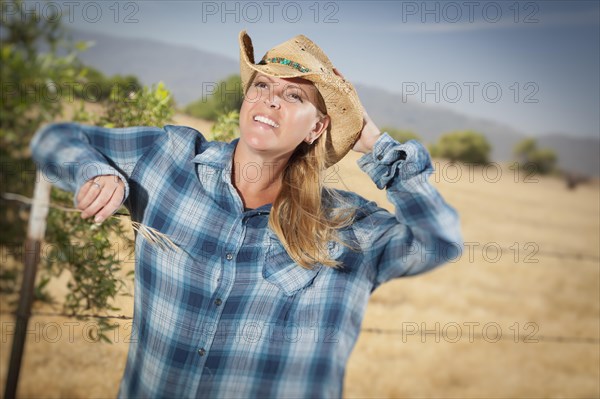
[(201, 351), (229, 256), (380, 157), (218, 301)]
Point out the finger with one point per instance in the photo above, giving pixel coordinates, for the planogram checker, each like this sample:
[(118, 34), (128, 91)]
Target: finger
[(92, 192), (83, 191), (101, 200), (111, 207)]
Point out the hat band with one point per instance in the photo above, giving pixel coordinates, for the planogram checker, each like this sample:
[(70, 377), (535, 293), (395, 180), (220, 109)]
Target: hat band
[(284, 61)]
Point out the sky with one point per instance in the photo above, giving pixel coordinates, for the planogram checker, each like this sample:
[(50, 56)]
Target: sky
[(534, 65)]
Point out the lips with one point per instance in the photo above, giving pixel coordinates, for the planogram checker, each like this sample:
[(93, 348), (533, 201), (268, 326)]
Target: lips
[(265, 120)]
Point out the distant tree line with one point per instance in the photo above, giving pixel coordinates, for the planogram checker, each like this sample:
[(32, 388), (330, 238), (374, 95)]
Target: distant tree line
[(225, 98), (463, 146), (96, 87), (527, 152)]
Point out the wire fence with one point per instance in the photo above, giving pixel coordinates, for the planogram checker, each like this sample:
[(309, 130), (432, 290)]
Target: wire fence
[(11, 197), (404, 332), (440, 334)]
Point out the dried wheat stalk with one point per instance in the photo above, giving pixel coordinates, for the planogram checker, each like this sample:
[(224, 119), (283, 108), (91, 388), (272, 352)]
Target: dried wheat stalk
[(154, 236)]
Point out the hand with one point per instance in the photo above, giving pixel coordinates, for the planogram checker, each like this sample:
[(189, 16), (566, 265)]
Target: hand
[(369, 133), (100, 196)]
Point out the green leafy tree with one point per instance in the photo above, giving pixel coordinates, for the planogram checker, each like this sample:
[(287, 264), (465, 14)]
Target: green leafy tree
[(31, 81), (148, 106), (227, 126), (465, 146), (85, 250), (227, 97), (31, 84), (96, 87), (543, 160), (93, 253), (524, 148), (401, 135)]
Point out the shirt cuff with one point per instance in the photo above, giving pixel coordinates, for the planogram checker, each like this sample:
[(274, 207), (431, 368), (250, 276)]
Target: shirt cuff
[(94, 169), (390, 159)]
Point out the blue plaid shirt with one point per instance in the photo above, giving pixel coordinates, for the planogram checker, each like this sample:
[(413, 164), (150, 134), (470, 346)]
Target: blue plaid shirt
[(231, 315)]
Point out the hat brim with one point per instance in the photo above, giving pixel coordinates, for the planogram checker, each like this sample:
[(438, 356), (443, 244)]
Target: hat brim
[(274, 70)]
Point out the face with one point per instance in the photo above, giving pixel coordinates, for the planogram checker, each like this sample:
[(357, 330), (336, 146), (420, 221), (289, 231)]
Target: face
[(278, 114)]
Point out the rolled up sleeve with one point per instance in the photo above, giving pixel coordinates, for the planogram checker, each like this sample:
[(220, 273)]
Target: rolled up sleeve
[(424, 231), (69, 154)]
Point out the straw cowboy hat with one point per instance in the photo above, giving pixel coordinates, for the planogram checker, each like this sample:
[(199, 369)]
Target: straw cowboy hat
[(299, 57)]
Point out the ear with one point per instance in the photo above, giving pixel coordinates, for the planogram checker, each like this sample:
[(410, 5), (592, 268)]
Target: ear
[(320, 126)]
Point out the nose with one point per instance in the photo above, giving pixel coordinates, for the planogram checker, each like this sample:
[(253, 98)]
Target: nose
[(272, 101)]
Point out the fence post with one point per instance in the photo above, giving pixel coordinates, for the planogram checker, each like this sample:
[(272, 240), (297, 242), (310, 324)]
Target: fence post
[(31, 253)]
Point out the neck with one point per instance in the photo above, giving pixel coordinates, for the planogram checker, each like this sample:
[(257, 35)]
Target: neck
[(257, 177)]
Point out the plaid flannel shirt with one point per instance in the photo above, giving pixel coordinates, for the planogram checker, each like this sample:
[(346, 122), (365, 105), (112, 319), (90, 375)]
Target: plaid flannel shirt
[(231, 315)]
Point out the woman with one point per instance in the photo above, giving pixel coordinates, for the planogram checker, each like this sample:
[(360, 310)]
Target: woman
[(266, 296)]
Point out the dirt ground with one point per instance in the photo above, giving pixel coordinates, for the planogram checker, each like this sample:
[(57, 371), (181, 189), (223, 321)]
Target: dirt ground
[(518, 315)]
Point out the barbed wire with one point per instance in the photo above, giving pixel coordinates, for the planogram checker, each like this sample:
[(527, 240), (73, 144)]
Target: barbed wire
[(380, 331), (369, 330), (11, 197)]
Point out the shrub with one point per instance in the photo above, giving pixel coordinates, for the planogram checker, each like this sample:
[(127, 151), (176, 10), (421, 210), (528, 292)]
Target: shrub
[(466, 146), (227, 97), (29, 76), (543, 160), (227, 126)]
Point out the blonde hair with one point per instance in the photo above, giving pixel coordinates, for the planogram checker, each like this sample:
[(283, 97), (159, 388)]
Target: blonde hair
[(304, 222)]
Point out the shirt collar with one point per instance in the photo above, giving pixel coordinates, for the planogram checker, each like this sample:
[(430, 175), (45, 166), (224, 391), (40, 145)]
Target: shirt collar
[(221, 157), (217, 156)]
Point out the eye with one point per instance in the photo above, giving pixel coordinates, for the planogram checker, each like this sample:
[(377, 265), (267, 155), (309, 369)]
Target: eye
[(294, 96), (261, 85)]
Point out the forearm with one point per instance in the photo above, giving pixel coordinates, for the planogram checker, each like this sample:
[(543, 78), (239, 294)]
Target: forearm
[(69, 154), (426, 231), (66, 158)]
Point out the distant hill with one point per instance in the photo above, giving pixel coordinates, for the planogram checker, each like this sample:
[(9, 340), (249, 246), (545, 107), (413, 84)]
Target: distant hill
[(430, 121), (185, 69), (575, 154)]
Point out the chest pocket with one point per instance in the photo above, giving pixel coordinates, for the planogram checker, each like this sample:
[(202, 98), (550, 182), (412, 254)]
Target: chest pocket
[(279, 269)]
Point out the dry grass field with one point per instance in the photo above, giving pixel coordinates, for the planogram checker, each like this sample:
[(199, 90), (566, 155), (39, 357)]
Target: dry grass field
[(520, 322)]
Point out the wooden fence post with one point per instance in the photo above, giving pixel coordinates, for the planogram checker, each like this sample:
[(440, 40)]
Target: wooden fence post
[(31, 255)]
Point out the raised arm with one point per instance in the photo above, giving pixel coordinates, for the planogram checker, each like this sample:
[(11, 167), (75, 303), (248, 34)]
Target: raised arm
[(92, 162), (424, 231)]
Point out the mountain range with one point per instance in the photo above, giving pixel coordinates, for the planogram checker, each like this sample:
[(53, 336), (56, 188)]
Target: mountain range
[(186, 71)]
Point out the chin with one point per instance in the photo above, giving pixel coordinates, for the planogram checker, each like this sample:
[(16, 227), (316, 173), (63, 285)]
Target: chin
[(257, 142)]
